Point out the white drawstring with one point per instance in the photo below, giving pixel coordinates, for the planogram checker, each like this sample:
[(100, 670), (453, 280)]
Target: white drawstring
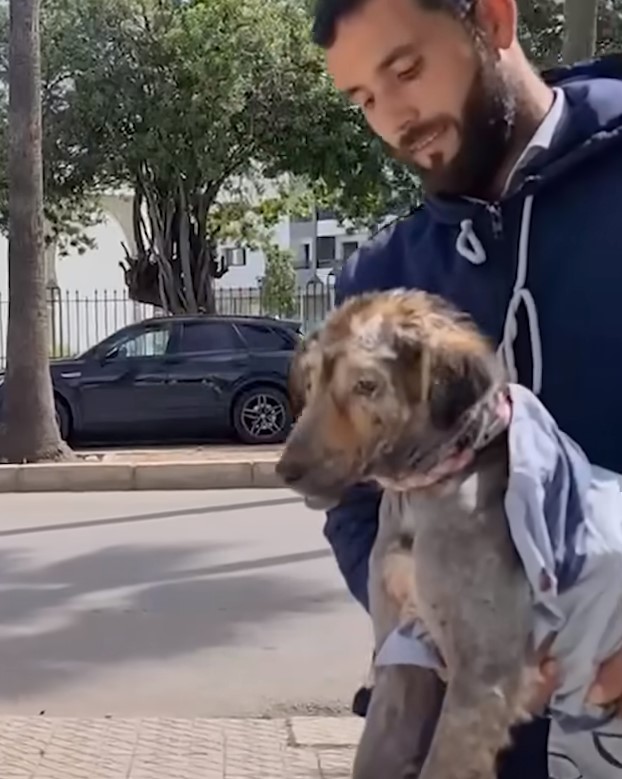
[(522, 296), (469, 245)]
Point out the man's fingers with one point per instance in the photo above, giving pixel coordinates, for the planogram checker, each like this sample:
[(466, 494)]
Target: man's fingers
[(548, 682), (607, 686)]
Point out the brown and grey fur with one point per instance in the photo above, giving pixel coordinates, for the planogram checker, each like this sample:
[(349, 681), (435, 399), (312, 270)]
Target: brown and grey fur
[(385, 381)]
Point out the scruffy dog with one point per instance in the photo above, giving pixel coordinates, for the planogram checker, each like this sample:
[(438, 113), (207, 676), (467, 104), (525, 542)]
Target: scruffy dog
[(400, 389)]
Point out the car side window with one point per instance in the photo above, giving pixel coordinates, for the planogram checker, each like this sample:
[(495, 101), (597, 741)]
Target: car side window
[(199, 337), (152, 342), (264, 338)]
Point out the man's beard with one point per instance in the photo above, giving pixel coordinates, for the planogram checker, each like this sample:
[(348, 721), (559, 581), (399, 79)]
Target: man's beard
[(485, 132)]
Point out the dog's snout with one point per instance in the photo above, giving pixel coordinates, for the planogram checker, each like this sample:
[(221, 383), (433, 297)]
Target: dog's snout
[(290, 470)]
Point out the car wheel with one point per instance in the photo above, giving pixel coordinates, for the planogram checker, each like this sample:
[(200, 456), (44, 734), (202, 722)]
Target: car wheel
[(262, 416), (62, 419)]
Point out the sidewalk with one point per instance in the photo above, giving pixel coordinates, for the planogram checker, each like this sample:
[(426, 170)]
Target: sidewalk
[(294, 748)]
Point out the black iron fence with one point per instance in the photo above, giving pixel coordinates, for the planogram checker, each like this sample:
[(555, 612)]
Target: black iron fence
[(77, 321)]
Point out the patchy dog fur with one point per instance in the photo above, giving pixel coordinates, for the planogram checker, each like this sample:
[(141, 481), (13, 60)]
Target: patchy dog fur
[(387, 378)]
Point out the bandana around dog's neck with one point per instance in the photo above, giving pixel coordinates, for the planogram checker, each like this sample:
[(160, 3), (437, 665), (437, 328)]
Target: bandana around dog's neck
[(477, 428)]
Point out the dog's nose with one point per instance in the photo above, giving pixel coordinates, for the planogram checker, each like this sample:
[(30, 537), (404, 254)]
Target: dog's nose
[(290, 470)]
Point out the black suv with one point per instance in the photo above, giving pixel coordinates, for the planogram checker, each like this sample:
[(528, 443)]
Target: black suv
[(180, 378)]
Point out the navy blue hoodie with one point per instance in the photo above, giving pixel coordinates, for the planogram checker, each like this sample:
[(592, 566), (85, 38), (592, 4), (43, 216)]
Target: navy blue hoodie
[(540, 271)]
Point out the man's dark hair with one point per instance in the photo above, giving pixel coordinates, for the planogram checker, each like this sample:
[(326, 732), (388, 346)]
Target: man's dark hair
[(328, 13)]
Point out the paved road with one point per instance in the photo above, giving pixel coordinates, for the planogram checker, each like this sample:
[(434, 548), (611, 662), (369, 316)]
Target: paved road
[(173, 604)]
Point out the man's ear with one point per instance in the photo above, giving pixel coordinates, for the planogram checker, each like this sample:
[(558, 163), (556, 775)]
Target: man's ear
[(498, 22), (458, 381)]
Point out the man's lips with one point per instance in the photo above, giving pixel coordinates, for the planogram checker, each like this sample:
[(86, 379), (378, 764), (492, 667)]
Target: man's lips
[(427, 139)]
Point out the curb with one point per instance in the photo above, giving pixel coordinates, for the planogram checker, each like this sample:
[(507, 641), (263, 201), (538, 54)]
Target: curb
[(125, 477)]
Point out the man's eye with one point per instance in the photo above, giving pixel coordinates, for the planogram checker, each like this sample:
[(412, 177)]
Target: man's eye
[(412, 72), (365, 387)]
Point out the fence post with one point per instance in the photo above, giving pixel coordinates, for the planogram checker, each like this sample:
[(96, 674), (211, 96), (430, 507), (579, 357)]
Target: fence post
[(54, 307)]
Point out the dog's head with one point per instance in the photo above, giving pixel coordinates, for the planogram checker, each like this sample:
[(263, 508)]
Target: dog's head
[(385, 381)]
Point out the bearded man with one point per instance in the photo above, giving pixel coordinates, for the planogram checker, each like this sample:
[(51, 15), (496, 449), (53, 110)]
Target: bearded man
[(520, 227)]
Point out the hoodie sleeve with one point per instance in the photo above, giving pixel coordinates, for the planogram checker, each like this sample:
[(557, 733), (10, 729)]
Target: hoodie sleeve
[(351, 530), (351, 527)]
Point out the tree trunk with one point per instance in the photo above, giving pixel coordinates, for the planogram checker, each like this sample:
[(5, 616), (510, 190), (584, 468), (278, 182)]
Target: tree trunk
[(579, 30), (175, 263), (30, 432)]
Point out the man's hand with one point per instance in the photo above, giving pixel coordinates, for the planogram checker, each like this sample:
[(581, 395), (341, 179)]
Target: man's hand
[(607, 687), (549, 679)]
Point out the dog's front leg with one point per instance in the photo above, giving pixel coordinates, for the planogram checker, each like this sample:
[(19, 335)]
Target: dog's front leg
[(401, 719), (476, 602), (473, 728)]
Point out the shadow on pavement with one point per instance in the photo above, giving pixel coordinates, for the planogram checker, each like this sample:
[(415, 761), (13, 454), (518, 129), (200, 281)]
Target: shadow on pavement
[(152, 516), (121, 604)]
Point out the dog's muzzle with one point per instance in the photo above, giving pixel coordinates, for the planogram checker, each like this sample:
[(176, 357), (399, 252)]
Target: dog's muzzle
[(319, 492), (317, 503)]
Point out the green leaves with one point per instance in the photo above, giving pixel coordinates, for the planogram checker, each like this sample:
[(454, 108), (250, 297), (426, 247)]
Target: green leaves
[(278, 288), (542, 28)]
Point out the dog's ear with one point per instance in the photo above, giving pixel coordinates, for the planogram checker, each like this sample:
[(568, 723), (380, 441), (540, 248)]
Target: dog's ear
[(299, 374), (457, 382), (412, 365)]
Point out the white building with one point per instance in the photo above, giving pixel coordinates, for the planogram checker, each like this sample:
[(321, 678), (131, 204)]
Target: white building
[(334, 243)]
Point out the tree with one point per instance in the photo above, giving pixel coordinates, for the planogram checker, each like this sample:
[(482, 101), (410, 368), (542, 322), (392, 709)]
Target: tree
[(185, 102), (579, 30), (30, 432), (278, 287), (182, 102), (188, 102), (552, 31)]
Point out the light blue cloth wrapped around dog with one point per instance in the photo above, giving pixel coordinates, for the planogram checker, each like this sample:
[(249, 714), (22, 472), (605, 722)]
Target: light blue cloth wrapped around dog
[(565, 519)]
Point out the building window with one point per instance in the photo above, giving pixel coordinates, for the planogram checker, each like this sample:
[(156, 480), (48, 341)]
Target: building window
[(303, 260), (326, 248), (326, 214), (348, 248), (234, 256), (322, 214)]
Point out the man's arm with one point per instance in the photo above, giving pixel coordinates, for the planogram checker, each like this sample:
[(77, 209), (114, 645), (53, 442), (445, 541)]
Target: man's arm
[(351, 530)]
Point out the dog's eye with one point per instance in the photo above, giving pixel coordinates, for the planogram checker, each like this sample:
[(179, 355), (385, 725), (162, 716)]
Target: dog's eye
[(365, 387)]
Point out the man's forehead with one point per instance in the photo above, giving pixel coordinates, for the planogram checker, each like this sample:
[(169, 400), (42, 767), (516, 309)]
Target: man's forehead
[(385, 30)]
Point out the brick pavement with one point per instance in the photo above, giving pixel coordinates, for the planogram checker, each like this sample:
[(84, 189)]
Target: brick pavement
[(116, 748)]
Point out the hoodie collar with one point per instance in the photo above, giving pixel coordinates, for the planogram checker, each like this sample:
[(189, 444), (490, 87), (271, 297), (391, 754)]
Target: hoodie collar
[(542, 139)]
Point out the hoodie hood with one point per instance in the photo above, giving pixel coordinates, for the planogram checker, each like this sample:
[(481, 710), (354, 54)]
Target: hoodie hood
[(590, 124)]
